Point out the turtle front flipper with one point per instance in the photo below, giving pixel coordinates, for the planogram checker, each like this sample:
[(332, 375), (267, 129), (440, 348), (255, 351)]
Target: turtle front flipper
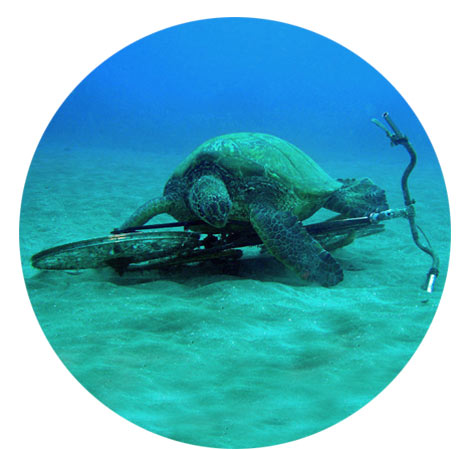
[(357, 198), (288, 241), (148, 210)]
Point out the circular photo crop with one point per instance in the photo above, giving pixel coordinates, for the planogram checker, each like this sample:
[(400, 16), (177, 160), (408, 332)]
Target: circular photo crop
[(234, 233)]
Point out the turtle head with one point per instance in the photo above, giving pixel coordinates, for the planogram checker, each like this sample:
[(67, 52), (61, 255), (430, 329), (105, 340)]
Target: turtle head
[(210, 200)]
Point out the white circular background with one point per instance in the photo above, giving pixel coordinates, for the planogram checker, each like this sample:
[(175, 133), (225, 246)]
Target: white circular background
[(50, 46)]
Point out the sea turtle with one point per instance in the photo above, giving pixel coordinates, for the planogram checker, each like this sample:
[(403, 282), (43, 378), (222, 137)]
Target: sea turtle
[(264, 181)]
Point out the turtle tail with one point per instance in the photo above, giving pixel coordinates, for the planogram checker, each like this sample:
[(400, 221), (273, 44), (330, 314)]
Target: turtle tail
[(357, 198)]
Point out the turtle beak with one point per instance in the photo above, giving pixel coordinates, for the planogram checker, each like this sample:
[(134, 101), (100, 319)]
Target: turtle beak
[(216, 212)]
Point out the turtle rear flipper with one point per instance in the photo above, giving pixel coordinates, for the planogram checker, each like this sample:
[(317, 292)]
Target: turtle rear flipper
[(288, 241), (357, 198)]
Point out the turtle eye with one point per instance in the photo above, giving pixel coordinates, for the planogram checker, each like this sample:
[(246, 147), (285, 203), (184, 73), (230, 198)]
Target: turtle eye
[(224, 207)]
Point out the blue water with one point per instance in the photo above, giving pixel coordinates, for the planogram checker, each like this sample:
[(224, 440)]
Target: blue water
[(203, 355), (186, 84)]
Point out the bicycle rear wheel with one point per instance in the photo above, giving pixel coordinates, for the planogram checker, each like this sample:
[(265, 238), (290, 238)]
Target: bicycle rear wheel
[(116, 250)]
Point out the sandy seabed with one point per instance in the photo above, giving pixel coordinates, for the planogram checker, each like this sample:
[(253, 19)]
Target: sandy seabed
[(217, 357)]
